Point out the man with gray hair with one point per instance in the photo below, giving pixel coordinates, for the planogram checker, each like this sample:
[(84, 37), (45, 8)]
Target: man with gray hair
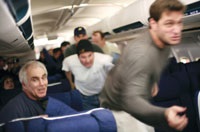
[(33, 77)]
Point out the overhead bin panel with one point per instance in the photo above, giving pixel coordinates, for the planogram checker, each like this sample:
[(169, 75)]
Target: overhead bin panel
[(128, 27), (9, 32), (18, 8), (193, 8), (16, 27), (192, 16), (26, 29), (30, 41)]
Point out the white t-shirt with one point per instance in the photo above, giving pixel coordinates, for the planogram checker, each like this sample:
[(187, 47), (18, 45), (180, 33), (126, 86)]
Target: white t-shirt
[(89, 81)]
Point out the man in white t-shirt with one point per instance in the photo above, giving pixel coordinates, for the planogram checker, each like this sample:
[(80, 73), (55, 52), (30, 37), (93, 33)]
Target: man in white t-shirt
[(90, 71)]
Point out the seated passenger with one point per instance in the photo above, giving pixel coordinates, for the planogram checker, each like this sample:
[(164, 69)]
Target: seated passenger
[(90, 70), (31, 102), (8, 82), (8, 90), (79, 34)]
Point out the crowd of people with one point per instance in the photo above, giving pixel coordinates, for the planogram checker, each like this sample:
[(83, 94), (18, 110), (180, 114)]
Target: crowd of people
[(123, 85)]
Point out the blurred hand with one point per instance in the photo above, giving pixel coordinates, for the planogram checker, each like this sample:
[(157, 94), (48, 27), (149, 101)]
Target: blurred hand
[(174, 119), (44, 116), (73, 86), (154, 90)]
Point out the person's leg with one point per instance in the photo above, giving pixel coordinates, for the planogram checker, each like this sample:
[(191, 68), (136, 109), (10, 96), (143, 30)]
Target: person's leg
[(90, 102), (127, 123)]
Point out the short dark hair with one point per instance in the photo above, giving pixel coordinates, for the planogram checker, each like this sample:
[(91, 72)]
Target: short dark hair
[(65, 43), (56, 50), (160, 6), (2, 80), (84, 46), (100, 32)]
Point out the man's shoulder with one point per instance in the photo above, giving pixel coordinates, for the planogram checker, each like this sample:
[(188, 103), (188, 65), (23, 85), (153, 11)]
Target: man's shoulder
[(96, 48), (19, 97), (100, 55), (103, 57), (14, 103), (71, 60), (70, 51), (71, 57)]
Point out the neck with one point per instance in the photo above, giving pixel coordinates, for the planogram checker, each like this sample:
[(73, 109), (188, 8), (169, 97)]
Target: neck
[(156, 40), (102, 43)]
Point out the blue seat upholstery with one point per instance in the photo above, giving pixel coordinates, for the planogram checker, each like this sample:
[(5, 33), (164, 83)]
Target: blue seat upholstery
[(55, 78), (36, 125), (13, 126), (105, 120), (62, 86), (82, 123), (72, 99), (96, 120), (58, 108)]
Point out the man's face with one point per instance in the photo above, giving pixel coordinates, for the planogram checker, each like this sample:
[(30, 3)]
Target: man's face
[(80, 37), (86, 59), (36, 86), (169, 27), (63, 48), (96, 38), (57, 54)]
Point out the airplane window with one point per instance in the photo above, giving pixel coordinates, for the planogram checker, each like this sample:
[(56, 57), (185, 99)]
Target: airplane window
[(184, 59)]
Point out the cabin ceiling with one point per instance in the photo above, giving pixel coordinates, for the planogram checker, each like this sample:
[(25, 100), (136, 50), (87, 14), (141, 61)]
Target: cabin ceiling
[(52, 18)]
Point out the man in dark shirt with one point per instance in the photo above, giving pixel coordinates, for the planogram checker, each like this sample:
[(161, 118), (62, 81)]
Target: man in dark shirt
[(33, 77), (129, 84)]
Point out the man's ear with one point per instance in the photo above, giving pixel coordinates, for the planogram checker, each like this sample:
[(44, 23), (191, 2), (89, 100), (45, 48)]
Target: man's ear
[(152, 24), (76, 38), (23, 85)]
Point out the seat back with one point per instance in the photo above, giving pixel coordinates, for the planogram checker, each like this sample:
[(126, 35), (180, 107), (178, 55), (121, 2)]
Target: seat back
[(72, 99), (62, 86), (95, 120)]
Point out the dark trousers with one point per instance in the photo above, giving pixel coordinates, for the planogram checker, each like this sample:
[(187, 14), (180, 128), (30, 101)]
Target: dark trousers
[(90, 102)]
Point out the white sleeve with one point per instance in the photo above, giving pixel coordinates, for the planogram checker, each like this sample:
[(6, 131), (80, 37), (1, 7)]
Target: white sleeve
[(108, 63), (65, 65)]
